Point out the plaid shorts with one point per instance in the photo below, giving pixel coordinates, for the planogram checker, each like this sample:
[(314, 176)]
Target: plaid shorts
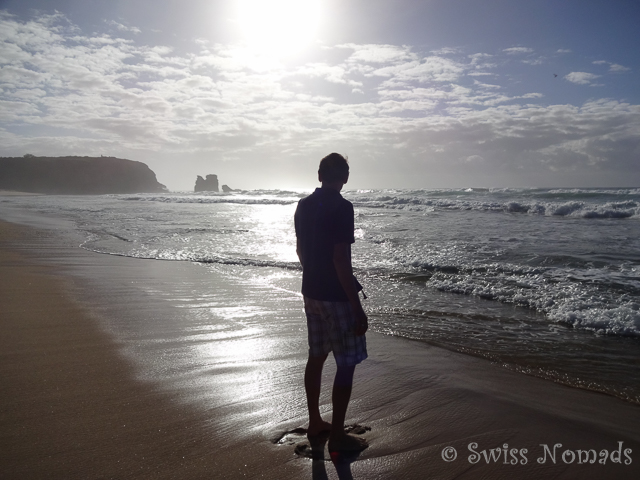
[(331, 328)]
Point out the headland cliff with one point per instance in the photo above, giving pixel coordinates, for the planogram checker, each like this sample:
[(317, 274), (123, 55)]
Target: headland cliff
[(77, 175)]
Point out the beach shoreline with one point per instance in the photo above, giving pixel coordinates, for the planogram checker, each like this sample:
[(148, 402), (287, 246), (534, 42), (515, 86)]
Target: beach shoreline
[(16, 193), (77, 405)]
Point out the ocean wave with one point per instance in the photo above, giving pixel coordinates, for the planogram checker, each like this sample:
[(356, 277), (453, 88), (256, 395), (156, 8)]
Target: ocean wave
[(563, 299), (250, 262), (578, 209), (221, 198), (621, 320), (581, 203), (182, 256), (590, 192)]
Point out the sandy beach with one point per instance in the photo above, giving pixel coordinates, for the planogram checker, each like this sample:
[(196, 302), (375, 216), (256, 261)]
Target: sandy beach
[(96, 384)]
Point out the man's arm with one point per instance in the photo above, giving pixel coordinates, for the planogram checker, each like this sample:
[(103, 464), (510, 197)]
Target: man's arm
[(299, 250), (342, 264)]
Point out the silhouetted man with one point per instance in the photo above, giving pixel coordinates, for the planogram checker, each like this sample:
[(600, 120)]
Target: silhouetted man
[(335, 318)]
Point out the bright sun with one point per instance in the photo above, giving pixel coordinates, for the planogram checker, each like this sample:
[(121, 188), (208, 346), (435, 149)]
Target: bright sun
[(278, 27)]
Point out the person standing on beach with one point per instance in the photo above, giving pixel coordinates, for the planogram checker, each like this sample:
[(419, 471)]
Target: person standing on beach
[(336, 321)]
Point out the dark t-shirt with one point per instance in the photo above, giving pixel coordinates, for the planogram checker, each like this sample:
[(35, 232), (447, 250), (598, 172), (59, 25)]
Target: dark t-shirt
[(322, 220)]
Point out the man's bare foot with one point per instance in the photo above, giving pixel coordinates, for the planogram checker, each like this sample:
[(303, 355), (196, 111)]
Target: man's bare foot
[(316, 429), (347, 443)]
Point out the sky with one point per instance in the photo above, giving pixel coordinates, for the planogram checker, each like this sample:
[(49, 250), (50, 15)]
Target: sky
[(417, 93)]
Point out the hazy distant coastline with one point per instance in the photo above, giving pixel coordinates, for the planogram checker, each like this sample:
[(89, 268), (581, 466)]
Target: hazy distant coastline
[(77, 175)]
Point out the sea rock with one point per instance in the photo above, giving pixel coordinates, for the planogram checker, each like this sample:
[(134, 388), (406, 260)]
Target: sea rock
[(77, 175), (226, 189), (210, 184)]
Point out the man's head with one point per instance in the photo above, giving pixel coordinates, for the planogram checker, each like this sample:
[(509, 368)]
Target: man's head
[(334, 169)]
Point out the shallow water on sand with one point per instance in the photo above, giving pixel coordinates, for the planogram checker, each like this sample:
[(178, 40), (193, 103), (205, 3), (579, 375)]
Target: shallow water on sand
[(545, 282)]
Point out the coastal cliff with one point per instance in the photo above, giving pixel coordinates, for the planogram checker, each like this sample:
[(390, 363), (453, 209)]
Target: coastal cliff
[(77, 175)]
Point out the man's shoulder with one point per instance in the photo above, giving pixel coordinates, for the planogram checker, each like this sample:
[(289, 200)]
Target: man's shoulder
[(328, 200), (311, 197), (306, 202), (345, 202), (342, 204)]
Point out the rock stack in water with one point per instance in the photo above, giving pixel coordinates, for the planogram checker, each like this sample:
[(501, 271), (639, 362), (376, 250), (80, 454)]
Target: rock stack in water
[(210, 184)]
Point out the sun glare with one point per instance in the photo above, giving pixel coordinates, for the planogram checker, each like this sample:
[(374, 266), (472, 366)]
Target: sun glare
[(278, 28)]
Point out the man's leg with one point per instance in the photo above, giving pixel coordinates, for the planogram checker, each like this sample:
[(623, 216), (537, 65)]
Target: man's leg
[(338, 439), (312, 384), (342, 385)]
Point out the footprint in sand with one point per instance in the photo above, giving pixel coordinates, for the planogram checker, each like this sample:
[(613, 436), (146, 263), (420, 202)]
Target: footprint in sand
[(314, 447), (291, 437)]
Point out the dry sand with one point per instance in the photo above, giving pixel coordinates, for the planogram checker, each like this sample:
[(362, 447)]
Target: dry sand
[(75, 405)]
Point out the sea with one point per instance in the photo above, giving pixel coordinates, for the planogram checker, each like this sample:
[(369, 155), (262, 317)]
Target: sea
[(545, 282)]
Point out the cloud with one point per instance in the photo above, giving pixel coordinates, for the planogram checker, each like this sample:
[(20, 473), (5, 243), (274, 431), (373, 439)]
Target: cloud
[(477, 58), (517, 50), (447, 51), (485, 85), (513, 51), (123, 28), (378, 53), (429, 69), (535, 61), (581, 78), (74, 93), (332, 73), (615, 68), (599, 134)]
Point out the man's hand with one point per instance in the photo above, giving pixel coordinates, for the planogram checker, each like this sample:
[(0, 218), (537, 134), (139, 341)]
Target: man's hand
[(362, 322), (342, 264)]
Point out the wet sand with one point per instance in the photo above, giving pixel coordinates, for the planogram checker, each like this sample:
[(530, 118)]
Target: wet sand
[(82, 399), (70, 405)]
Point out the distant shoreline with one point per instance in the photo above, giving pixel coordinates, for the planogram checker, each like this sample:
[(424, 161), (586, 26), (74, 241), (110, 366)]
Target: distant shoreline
[(17, 193), (73, 175)]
